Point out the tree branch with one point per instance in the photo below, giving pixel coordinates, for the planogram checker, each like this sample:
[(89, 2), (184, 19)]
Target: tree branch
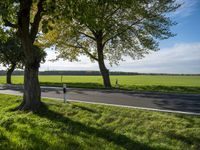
[(9, 24), (84, 49), (87, 52), (134, 23), (91, 37), (36, 22), (122, 31), (112, 13), (92, 56), (93, 31)]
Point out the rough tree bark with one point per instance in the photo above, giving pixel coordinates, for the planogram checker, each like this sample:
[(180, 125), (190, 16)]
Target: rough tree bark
[(9, 73), (32, 93), (104, 71)]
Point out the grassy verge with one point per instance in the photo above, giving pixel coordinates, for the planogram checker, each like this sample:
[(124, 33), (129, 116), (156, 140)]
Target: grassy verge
[(159, 83), (86, 126)]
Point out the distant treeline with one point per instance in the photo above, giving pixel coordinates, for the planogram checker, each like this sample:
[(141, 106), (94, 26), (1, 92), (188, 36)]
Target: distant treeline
[(17, 72)]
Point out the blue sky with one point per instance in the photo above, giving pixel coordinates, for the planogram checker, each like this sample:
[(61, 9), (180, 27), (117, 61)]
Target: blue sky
[(188, 27), (180, 54)]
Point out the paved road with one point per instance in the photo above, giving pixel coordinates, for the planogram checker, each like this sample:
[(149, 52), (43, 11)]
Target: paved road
[(172, 102)]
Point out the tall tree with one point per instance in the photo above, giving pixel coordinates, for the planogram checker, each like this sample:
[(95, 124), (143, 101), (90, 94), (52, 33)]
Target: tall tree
[(25, 16), (109, 30), (11, 56)]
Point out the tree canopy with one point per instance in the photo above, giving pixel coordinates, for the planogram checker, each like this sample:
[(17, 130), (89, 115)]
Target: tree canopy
[(11, 52), (100, 29), (114, 29), (11, 55), (26, 18)]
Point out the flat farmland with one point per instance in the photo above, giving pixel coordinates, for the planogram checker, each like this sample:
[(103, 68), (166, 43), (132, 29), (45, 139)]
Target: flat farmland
[(160, 83)]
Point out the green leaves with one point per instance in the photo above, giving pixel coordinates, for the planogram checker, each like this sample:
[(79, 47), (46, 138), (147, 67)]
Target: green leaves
[(130, 28), (45, 26), (11, 52)]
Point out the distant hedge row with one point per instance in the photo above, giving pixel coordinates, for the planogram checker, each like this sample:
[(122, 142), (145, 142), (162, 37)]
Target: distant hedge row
[(17, 72)]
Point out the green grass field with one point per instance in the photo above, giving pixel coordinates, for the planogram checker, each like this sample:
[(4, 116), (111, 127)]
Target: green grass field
[(161, 83), (78, 126)]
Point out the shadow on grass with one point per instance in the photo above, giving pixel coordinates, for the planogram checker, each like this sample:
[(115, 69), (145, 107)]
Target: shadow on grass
[(164, 89), (191, 140), (75, 84), (150, 88), (78, 127), (139, 88), (84, 108)]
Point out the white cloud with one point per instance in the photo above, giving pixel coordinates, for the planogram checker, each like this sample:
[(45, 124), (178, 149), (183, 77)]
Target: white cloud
[(84, 64), (187, 8), (181, 58)]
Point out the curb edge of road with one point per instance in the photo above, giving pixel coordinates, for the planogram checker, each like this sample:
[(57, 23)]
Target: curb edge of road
[(141, 108), (125, 106)]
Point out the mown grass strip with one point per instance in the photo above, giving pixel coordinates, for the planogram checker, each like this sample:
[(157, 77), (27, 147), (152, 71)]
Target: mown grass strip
[(158, 83), (87, 126)]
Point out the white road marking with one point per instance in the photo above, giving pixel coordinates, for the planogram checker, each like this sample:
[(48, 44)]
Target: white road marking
[(142, 108)]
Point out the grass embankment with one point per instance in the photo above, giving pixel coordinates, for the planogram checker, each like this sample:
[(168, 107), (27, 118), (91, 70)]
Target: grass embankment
[(160, 83), (79, 126)]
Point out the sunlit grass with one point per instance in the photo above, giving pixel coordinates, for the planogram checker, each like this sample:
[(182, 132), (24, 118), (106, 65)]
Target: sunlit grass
[(87, 126), (161, 83)]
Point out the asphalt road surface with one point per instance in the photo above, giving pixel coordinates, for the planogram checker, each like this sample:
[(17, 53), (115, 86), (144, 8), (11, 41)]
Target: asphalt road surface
[(164, 102)]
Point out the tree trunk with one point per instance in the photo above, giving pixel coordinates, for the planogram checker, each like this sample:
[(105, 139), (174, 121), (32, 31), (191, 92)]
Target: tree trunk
[(32, 92), (9, 73), (104, 71), (105, 74)]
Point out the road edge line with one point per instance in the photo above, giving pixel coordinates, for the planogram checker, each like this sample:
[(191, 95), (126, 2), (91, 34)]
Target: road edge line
[(141, 108), (116, 105)]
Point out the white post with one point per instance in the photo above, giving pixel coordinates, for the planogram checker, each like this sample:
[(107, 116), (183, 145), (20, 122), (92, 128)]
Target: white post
[(65, 92), (116, 84), (61, 78)]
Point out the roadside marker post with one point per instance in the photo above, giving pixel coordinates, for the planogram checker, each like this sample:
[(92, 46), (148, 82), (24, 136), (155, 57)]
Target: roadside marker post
[(65, 92), (116, 84), (61, 78)]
